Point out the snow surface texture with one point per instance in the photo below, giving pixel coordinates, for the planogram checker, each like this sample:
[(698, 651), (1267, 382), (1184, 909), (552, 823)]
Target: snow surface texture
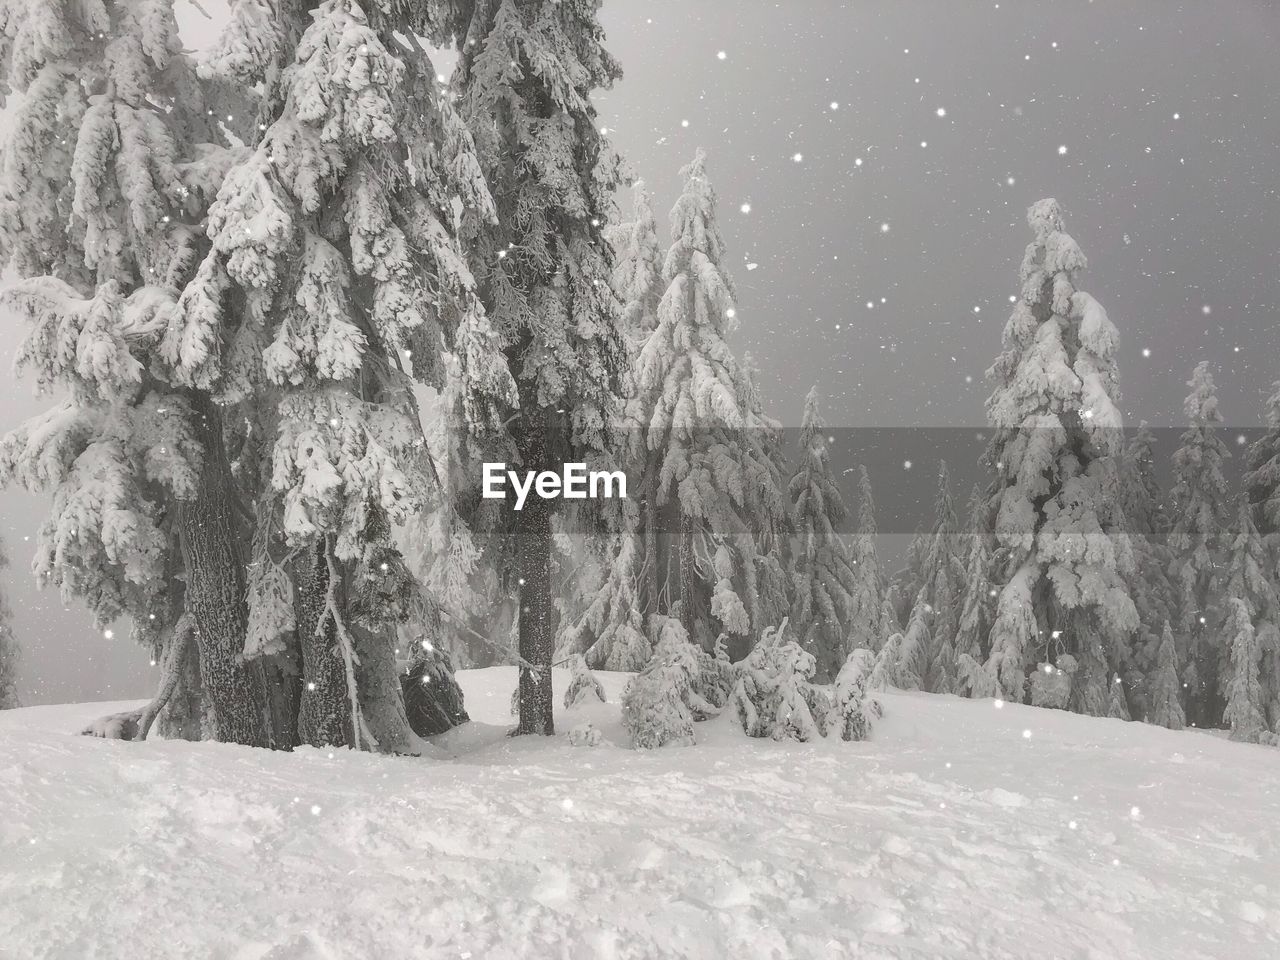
[(950, 834)]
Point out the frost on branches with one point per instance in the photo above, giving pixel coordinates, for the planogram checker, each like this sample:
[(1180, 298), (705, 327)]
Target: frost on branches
[(525, 79), (114, 153), (660, 705), (1059, 567), (824, 579), (774, 696), (1197, 542)]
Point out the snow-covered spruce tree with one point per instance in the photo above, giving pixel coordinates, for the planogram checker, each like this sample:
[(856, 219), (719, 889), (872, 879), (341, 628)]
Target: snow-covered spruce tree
[(113, 156), (1198, 543), (527, 71), (584, 687), (824, 578), (855, 708), (334, 282), (1262, 487), (637, 272), (661, 703), (613, 620), (773, 694), (1059, 566), (1243, 712), (867, 592), (1249, 579), (8, 649), (976, 602), (943, 570), (715, 480), (911, 659), (1164, 696), (1153, 595)]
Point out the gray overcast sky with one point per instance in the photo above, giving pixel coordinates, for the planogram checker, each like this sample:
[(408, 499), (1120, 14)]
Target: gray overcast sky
[(1167, 111)]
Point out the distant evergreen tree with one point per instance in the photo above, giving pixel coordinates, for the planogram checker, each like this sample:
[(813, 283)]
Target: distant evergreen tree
[(855, 708), (1262, 486), (977, 601), (868, 589), (943, 573), (1165, 695), (911, 659), (637, 272), (1198, 543), (1243, 712), (8, 649), (823, 609), (1060, 564), (1249, 579)]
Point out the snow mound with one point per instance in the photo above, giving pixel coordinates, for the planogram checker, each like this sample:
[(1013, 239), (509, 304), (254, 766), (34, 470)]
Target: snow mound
[(952, 833)]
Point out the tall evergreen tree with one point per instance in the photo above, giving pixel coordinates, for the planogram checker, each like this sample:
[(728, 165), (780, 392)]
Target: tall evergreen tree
[(714, 478), (637, 272), (1164, 699), (1059, 566), (8, 649), (977, 599), (1198, 545), (867, 594), (1249, 580), (335, 281), (113, 157), (1262, 487), (942, 576), (525, 77), (1243, 712), (823, 608)]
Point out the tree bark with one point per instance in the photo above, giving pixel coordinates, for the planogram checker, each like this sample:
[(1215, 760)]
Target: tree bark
[(381, 699), (537, 625), (215, 593), (324, 713)]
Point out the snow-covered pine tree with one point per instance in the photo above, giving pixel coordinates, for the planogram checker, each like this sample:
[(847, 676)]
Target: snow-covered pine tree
[(911, 660), (1243, 712), (661, 703), (525, 77), (1148, 525), (335, 281), (584, 687), (867, 593), (977, 600), (613, 621), (8, 649), (855, 708), (824, 578), (942, 571), (1249, 579), (1198, 545), (1059, 566), (112, 158), (637, 272), (773, 694), (1164, 698), (1262, 486), (716, 480), (1117, 702)]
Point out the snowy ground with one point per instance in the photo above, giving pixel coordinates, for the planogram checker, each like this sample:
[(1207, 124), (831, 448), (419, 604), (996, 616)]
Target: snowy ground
[(952, 834)]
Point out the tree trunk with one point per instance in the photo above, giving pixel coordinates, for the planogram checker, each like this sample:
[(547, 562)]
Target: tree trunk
[(536, 629), (284, 696), (381, 699), (688, 588), (324, 713), (215, 593)]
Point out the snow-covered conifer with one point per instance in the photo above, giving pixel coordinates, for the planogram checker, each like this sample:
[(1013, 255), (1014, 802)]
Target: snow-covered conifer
[(584, 687), (1164, 696), (773, 695), (1198, 545), (867, 591), (824, 579), (613, 622), (1117, 703), (1262, 486), (911, 660), (855, 708), (976, 600), (111, 161), (525, 78), (942, 572), (661, 703), (637, 272), (1059, 567), (8, 649), (1243, 712)]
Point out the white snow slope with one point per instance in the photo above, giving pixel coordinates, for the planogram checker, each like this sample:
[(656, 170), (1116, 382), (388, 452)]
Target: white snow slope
[(961, 830)]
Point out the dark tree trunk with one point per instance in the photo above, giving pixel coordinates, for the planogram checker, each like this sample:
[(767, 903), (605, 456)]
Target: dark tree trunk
[(324, 713), (537, 625), (215, 594), (284, 695), (381, 699), (688, 587)]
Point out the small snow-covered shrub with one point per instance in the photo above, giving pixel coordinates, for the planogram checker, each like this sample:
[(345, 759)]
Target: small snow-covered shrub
[(855, 708), (715, 677), (583, 687), (659, 704), (585, 735), (1051, 685), (773, 696)]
